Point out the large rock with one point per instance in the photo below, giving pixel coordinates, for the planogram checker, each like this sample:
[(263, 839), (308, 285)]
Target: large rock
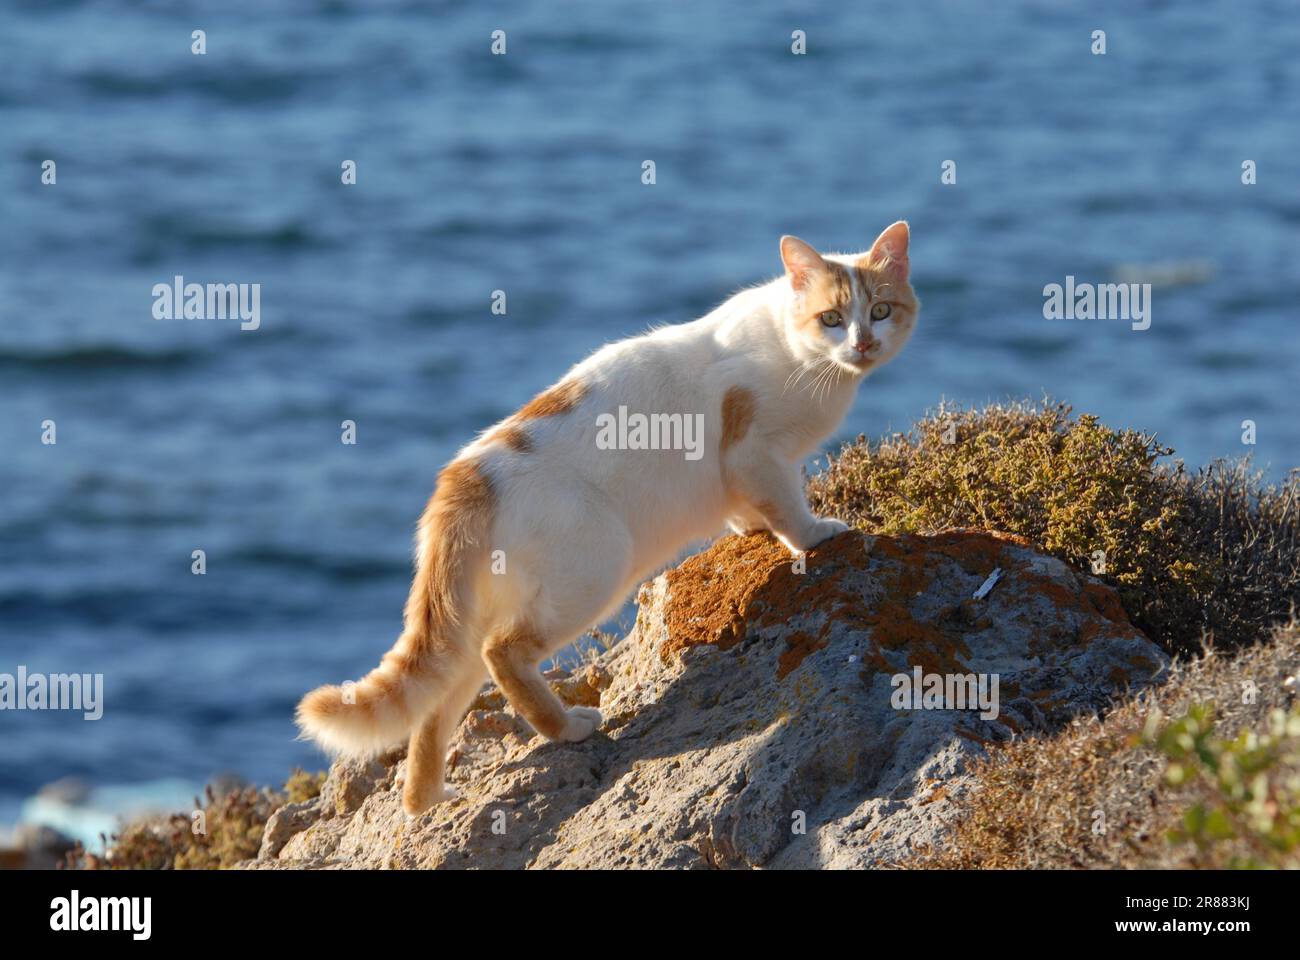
[(748, 717)]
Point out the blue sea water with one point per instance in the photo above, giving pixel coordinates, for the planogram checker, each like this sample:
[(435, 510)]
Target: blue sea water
[(522, 173)]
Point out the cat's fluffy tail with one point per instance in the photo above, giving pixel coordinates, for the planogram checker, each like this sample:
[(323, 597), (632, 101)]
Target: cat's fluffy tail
[(379, 710)]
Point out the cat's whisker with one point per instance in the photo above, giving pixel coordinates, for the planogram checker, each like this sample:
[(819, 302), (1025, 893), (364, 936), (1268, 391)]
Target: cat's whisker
[(833, 378), (813, 387), (798, 373), (793, 373), (823, 367), (827, 378), (797, 378)]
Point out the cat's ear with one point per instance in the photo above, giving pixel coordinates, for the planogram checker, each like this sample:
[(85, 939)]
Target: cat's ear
[(801, 261), (890, 251)]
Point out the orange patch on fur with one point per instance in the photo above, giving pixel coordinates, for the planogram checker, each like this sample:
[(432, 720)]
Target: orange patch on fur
[(559, 399), (456, 520), (880, 285), (738, 407), (513, 436), (829, 289)]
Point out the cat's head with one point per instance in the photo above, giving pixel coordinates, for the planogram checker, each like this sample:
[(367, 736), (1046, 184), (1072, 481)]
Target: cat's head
[(854, 310)]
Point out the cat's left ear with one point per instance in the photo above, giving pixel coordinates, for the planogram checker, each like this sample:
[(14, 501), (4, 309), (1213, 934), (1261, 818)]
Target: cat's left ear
[(890, 251)]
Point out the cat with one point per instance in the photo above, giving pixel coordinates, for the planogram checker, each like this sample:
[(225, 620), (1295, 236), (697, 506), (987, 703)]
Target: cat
[(536, 532)]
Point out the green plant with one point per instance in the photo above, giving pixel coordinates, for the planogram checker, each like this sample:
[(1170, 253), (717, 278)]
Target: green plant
[(1245, 789)]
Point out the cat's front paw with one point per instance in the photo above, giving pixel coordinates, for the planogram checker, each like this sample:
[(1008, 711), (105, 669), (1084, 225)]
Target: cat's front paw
[(580, 723), (823, 530), (820, 530)]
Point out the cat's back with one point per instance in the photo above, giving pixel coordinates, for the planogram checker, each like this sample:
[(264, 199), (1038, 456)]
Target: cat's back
[(680, 369), (665, 361), (684, 360)]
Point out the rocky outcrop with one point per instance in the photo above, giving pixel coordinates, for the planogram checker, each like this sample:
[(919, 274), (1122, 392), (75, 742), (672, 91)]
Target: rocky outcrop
[(754, 716)]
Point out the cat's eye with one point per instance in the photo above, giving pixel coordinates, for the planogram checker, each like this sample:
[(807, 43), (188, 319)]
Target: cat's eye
[(880, 311), (831, 318)]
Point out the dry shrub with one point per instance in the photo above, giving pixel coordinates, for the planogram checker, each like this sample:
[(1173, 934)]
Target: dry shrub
[(1213, 552), (1121, 793), (232, 825)]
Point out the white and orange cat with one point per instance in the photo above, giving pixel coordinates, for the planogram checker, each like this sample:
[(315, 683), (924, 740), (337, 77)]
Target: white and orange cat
[(536, 532)]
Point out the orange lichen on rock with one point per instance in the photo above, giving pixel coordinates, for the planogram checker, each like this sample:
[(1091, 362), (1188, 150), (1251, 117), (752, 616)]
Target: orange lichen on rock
[(1104, 612), (934, 648), (1060, 596), (911, 576), (1106, 602), (975, 551), (715, 596), (745, 582), (797, 646)]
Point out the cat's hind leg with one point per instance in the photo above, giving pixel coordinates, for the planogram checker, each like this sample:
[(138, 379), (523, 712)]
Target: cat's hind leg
[(577, 577), (427, 755), (512, 656)]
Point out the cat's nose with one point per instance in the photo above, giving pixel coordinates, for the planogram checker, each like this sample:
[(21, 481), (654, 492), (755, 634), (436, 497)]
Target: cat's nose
[(862, 348)]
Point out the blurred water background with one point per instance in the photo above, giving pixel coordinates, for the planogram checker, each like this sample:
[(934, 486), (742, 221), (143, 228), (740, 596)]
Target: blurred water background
[(522, 173)]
